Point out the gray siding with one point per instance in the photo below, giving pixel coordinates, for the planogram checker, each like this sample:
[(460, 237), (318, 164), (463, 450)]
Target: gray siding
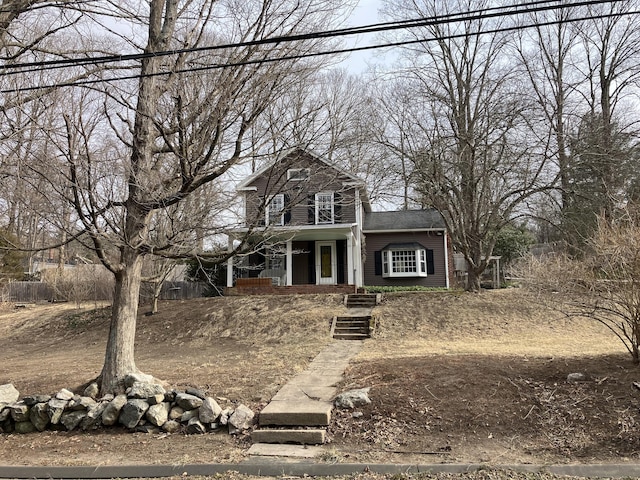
[(297, 193), (432, 241)]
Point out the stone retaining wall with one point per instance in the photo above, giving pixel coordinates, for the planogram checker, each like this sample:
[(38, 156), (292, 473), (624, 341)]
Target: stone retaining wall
[(146, 407)]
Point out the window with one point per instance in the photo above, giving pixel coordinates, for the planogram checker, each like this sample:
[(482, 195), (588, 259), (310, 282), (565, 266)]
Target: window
[(405, 260), (297, 174), (274, 214), (324, 208)]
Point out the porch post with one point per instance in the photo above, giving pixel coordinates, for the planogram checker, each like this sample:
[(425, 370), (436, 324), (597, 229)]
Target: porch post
[(289, 262), (350, 266), (230, 265)]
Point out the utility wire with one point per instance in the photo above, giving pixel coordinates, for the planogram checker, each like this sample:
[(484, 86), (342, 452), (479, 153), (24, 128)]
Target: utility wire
[(471, 15), (335, 51)]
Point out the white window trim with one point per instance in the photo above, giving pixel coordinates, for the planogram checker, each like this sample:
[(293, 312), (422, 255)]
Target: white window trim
[(268, 208), (298, 174), (420, 260), (317, 208)]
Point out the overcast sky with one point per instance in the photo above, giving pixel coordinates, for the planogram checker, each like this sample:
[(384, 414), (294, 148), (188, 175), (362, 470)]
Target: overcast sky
[(366, 13)]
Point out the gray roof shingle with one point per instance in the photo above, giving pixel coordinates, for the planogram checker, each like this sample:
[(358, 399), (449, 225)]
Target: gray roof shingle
[(403, 220)]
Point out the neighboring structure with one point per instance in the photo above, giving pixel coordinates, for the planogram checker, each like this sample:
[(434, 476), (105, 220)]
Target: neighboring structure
[(310, 224)]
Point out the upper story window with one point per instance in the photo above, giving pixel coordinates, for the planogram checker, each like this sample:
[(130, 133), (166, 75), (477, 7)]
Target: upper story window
[(274, 213), (324, 208), (297, 174)]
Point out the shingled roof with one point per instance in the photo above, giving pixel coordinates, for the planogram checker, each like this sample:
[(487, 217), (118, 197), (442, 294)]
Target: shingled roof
[(404, 220)]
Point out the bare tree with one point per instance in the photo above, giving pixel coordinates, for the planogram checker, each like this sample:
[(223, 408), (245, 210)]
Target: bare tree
[(603, 285), (473, 160), (180, 129), (546, 53)]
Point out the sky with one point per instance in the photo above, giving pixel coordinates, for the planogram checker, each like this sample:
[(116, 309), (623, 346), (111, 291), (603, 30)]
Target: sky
[(365, 13)]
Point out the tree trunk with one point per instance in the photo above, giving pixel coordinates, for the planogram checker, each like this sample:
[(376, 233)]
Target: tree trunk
[(119, 357), (157, 290), (473, 280)]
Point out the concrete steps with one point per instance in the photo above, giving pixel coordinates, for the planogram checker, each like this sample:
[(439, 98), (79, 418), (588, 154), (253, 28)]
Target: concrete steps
[(301, 410)]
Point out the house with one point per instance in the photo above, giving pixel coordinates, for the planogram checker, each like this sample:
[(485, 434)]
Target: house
[(310, 226)]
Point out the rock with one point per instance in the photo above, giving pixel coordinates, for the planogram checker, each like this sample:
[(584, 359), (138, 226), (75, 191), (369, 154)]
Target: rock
[(147, 428), (176, 413), (8, 393), (31, 400), (195, 426), (72, 418), (93, 419), (577, 377), (170, 396), (241, 419), (189, 414), (39, 416), (357, 415), (209, 410), (92, 390), (145, 390), (7, 426), (108, 397), (188, 401), (156, 399), (158, 414), (81, 403), (171, 426), (132, 378), (56, 408), (19, 412), (112, 410), (353, 398), (196, 392), (132, 412), (64, 394), (5, 412), (224, 416), (24, 427)]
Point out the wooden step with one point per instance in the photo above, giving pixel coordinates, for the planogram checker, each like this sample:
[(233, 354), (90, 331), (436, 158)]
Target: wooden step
[(351, 328), (361, 300), (311, 436)]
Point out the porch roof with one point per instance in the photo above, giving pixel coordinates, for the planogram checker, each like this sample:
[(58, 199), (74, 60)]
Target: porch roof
[(298, 233)]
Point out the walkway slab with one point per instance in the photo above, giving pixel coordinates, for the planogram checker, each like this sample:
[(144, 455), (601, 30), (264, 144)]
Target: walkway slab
[(314, 436), (301, 412), (295, 451), (312, 392)]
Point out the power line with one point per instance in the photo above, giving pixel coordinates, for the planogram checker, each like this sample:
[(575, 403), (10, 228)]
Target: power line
[(417, 22), (471, 15)]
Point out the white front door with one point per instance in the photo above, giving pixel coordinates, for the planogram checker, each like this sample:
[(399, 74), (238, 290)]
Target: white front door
[(326, 263)]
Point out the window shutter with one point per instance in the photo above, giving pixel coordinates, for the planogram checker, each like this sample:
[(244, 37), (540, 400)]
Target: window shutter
[(311, 211), (431, 266), (287, 209), (337, 208), (377, 260)]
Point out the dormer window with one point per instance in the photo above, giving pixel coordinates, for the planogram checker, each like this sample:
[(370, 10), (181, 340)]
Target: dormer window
[(274, 213), (297, 174)]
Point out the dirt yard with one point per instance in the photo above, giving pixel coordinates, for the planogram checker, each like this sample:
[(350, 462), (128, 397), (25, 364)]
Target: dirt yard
[(454, 378)]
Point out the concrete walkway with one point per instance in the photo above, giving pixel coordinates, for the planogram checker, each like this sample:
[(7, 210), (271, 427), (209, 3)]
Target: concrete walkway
[(306, 400)]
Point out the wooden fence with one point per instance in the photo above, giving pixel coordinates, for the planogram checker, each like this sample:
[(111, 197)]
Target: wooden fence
[(38, 292)]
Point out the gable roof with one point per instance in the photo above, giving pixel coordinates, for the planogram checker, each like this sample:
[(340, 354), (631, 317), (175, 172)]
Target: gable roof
[(299, 152), (403, 220)]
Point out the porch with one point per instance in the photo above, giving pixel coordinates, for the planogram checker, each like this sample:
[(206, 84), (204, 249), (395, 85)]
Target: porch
[(318, 260)]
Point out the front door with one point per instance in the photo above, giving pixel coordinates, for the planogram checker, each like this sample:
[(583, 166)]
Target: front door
[(326, 263)]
